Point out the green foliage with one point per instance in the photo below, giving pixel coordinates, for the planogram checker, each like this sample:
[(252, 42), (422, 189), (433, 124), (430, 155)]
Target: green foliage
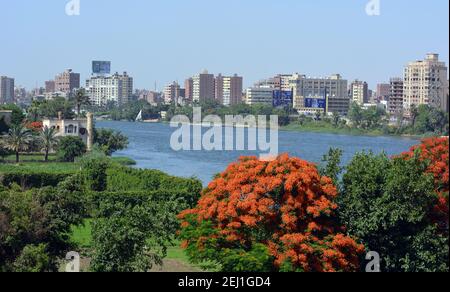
[(33, 259), (28, 179), (17, 113), (48, 140), (132, 238), (386, 203), (4, 128), (367, 119), (94, 172), (110, 141), (18, 139), (40, 218), (70, 148), (332, 165), (51, 108)]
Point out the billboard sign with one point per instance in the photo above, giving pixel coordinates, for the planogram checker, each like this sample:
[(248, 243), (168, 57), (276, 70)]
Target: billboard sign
[(316, 103), (282, 98), (101, 67)]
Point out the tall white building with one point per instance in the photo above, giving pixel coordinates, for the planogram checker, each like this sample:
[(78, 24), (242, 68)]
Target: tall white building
[(426, 82), (116, 89)]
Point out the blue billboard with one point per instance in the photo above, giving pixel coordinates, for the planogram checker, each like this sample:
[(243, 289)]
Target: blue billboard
[(101, 67), (315, 103), (282, 98)]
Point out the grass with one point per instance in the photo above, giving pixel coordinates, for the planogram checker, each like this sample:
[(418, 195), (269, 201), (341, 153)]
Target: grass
[(32, 167), (125, 161), (322, 127)]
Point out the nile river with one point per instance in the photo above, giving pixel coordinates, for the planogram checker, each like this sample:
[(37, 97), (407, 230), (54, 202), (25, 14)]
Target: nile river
[(150, 148)]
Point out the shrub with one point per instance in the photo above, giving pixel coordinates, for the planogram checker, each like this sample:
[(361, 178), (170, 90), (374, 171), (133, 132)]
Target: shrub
[(94, 172), (110, 141), (283, 205), (33, 259), (387, 204), (28, 179), (70, 148)]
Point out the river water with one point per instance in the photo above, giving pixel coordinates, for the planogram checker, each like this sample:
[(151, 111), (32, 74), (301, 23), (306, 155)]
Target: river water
[(150, 148)]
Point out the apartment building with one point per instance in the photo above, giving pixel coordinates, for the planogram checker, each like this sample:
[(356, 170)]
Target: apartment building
[(395, 103), (117, 89), (228, 89), (6, 90), (67, 82), (426, 82), (203, 87), (359, 92), (259, 95)]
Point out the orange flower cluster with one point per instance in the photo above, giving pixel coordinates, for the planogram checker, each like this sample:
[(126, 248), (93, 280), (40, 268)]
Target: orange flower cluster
[(288, 201), (436, 152), (35, 126)]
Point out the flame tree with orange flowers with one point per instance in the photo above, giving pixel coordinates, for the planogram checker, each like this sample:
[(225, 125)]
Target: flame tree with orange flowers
[(261, 216)]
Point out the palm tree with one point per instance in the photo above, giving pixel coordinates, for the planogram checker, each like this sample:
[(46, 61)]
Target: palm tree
[(81, 99), (49, 140), (18, 139)]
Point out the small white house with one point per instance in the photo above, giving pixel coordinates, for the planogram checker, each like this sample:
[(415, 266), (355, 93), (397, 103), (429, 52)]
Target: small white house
[(83, 128)]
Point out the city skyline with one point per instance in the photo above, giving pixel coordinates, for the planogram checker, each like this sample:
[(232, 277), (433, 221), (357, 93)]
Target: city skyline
[(222, 48)]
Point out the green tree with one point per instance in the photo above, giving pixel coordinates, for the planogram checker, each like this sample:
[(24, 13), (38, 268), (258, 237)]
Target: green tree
[(132, 238), (81, 99), (33, 259), (17, 140), (414, 114), (110, 141), (387, 204), (336, 118), (70, 148), (331, 165), (48, 140), (356, 114), (17, 116)]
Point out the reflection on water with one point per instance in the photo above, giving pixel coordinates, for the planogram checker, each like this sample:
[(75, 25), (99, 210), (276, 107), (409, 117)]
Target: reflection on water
[(150, 147)]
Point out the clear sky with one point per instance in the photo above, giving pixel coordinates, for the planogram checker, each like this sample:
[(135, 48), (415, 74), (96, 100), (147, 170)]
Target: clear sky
[(166, 40)]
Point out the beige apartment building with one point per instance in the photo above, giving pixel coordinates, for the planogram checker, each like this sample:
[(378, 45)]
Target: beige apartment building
[(67, 81), (228, 89), (172, 92), (359, 91), (426, 82), (259, 95)]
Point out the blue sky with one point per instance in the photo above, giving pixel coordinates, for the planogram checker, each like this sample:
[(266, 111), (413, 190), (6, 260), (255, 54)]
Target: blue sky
[(165, 40)]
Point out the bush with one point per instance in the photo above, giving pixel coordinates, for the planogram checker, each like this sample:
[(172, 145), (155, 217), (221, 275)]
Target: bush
[(94, 172), (33, 259), (110, 141), (28, 180), (70, 148), (33, 219), (284, 205), (388, 204)]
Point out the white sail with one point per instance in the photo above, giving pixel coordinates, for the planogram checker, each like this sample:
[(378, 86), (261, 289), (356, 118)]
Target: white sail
[(139, 117)]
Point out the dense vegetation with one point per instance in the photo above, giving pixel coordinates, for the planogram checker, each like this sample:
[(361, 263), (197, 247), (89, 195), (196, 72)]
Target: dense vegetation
[(285, 216)]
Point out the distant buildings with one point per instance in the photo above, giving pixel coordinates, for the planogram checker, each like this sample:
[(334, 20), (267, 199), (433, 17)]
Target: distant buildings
[(172, 92), (332, 90), (259, 95), (425, 82), (203, 87), (189, 89), (151, 97), (50, 86), (359, 92), (228, 89), (383, 91), (67, 82), (395, 101), (117, 89), (6, 90)]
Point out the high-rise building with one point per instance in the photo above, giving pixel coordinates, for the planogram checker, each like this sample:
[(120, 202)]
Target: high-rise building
[(425, 82), (67, 81), (383, 91), (50, 86), (203, 87), (172, 92), (6, 90), (259, 95), (395, 103), (359, 92), (228, 89), (117, 89), (189, 89), (333, 88)]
